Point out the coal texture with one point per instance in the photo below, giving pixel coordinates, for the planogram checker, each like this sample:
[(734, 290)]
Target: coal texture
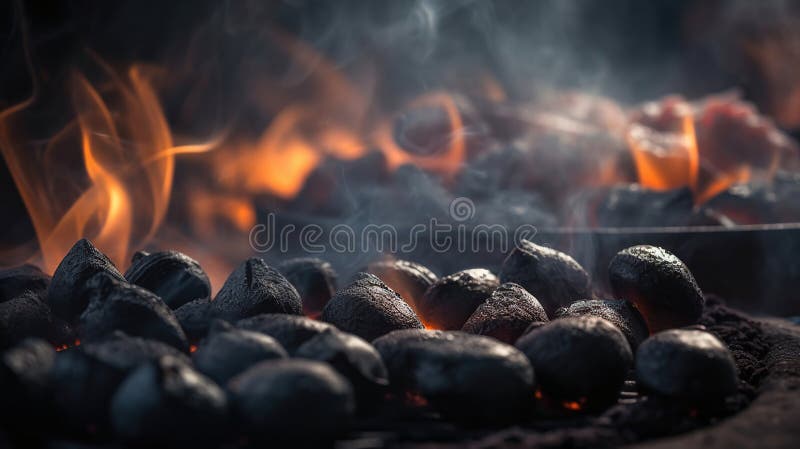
[(314, 279), (167, 403), (506, 314), (25, 386), (27, 316), (66, 294), (554, 278), (409, 279), (469, 378), (297, 401), (449, 302), (17, 280), (660, 285), (355, 359), (175, 277), (85, 378), (195, 318), (227, 351), (620, 313), (583, 359), (369, 309), (117, 305), (691, 365), (291, 331), (254, 288)]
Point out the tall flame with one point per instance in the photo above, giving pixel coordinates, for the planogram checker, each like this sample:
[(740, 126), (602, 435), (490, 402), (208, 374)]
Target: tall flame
[(128, 158)]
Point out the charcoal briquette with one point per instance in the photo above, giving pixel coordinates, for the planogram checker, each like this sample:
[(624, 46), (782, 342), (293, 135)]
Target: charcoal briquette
[(450, 301), (16, 280), (175, 277), (409, 279), (506, 314), (85, 378), (355, 359), (28, 316), (620, 313), (690, 365), (295, 401), (314, 279), (66, 293), (167, 403), (228, 351), (117, 305), (583, 359), (291, 331), (195, 318), (369, 309), (660, 285), (469, 378), (254, 288), (25, 386), (553, 277)]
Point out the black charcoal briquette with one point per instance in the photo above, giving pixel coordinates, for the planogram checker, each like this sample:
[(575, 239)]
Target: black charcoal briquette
[(369, 309), (660, 285), (254, 288), (175, 277), (450, 301), (554, 278), (314, 279), (506, 314)]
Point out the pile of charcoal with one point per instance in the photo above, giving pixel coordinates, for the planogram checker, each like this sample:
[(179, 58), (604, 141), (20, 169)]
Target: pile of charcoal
[(282, 356)]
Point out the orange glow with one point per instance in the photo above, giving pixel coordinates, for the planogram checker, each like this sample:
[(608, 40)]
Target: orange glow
[(415, 399), (493, 91), (667, 153), (285, 154), (324, 119), (192, 348), (666, 159), (448, 160), (66, 346), (572, 405), (209, 208)]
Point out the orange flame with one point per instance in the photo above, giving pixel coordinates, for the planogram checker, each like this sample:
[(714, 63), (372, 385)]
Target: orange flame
[(667, 153), (666, 159), (128, 158)]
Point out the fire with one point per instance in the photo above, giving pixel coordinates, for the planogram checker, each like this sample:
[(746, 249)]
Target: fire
[(445, 160), (665, 150), (708, 146), (573, 405), (128, 157), (296, 141)]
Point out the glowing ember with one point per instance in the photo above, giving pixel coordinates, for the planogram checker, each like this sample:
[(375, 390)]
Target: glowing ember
[(578, 405), (664, 145)]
